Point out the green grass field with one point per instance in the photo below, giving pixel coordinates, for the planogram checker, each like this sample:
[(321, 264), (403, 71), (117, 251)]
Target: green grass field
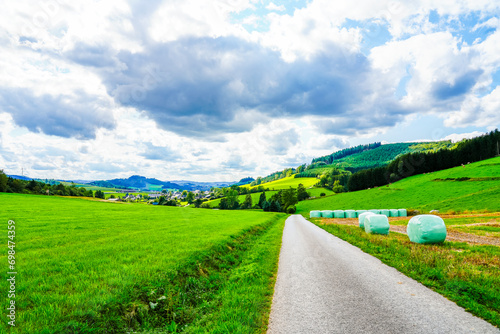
[(288, 182), (422, 192), (81, 262)]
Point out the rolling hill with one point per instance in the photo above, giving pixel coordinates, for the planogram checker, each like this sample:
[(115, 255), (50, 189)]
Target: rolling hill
[(373, 157), (474, 187)]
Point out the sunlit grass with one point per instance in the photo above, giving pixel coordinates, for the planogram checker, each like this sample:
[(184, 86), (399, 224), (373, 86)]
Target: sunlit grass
[(74, 255)]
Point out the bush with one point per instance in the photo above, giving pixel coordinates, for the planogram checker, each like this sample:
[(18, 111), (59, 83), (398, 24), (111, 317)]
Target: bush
[(291, 209), (322, 194)]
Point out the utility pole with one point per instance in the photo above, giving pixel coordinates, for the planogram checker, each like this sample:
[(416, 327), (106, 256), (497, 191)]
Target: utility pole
[(22, 171)]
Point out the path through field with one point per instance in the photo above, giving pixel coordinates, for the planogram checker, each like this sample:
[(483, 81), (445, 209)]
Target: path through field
[(326, 285)]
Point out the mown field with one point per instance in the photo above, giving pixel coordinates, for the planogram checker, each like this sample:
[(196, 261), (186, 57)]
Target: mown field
[(447, 191), (89, 266)]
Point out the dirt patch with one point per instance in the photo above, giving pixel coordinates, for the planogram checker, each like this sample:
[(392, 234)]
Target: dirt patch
[(452, 235), (459, 237)]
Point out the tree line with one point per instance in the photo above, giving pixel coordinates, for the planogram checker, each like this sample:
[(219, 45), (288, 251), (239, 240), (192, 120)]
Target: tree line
[(464, 152), (11, 185), (282, 201)]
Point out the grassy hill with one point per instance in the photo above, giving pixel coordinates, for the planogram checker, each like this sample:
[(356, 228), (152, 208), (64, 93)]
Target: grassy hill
[(378, 157), (275, 186), (85, 265), (288, 182), (475, 187)]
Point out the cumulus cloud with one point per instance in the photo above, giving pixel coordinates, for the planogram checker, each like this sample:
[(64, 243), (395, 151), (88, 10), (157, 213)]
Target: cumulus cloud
[(206, 86), (65, 116)]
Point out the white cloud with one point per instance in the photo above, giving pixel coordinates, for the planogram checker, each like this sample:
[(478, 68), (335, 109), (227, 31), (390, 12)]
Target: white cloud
[(252, 102), (456, 137), (275, 7)]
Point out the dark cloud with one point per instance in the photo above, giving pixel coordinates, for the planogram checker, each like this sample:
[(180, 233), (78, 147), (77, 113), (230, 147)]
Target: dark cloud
[(203, 86), (62, 115), (98, 56), (153, 152), (462, 85)]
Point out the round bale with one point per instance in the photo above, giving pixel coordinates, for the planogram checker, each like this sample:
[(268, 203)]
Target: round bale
[(327, 213), (338, 213), (350, 213), (315, 214), (394, 212), (402, 213), (362, 218), (377, 224), (385, 212), (426, 229)]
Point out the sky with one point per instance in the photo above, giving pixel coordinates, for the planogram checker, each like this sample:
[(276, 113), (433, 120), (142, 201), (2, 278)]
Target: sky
[(224, 89)]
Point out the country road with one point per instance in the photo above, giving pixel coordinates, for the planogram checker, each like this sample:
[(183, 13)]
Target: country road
[(326, 285)]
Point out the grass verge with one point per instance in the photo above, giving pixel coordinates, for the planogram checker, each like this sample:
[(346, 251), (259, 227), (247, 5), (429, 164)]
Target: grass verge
[(227, 288), (467, 275)]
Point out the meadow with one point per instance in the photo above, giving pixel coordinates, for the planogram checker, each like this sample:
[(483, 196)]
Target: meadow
[(447, 191), (288, 182), (89, 266)]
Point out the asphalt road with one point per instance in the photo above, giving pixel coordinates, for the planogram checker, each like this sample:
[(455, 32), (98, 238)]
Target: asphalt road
[(326, 285)]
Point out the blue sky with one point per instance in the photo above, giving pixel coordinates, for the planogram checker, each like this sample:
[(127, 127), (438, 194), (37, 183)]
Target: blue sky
[(222, 90)]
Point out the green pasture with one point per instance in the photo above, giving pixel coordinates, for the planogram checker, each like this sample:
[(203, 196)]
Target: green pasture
[(288, 182), (422, 192), (80, 260)]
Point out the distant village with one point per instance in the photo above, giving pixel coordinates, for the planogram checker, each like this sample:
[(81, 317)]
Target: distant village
[(153, 197)]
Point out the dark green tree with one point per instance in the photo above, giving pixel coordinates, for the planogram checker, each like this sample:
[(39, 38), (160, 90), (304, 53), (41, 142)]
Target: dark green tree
[(262, 199), (247, 203), (302, 193)]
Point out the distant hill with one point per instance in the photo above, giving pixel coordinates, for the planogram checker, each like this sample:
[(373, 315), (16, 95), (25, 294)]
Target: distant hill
[(203, 186), (137, 182), (244, 181), (19, 177), (144, 183)]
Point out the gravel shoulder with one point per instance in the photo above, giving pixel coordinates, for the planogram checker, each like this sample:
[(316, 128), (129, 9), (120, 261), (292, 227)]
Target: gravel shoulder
[(326, 285)]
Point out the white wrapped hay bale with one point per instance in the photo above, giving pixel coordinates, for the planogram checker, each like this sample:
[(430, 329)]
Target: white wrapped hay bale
[(350, 213), (315, 214), (385, 212), (402, 213), (377, 224), (426, 229), (358, 212), (362, 218), (338, 213), (327, 213), (393, 213), (377, 212)]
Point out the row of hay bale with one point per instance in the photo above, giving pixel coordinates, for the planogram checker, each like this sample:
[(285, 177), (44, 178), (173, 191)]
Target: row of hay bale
[(356, 213), (422, 229)]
